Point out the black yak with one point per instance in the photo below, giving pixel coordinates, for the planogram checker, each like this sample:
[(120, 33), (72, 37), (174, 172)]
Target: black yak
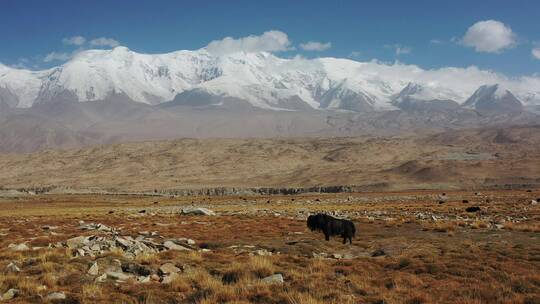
[(331, 226)]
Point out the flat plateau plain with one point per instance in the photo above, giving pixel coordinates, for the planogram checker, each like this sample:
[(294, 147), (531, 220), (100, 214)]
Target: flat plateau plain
[(410, 247)]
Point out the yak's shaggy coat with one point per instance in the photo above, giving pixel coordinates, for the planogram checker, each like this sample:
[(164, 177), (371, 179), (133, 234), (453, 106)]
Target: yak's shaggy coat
[(332, 226)]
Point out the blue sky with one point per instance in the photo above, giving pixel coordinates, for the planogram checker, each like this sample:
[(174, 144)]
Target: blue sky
[(430, 34)]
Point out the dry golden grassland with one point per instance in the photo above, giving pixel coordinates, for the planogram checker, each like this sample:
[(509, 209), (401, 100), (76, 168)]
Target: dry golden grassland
[(409, 248)]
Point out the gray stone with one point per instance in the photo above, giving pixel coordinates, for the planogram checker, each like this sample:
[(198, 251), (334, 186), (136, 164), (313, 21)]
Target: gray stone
[(18, 247), (274, 279), (94, 269), (139, 270), (10, 294), (197, 211), (173, 246), (337, 256), (55, 296), (11, 267), (186, 240), (170, 278), (119, 276), (168, 268), (77, 242), (123, 242), (102, 278)]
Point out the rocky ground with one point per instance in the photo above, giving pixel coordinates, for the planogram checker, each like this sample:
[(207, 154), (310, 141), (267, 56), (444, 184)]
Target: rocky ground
[(410, 247)]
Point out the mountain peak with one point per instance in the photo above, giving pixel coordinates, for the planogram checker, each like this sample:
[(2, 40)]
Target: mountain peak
[(493, 98), (422, 92), (258, 78)]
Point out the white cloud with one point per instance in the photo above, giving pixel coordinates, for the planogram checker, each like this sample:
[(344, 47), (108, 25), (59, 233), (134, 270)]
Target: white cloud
[(436, 41), (536, 53), (22, 63), (315, 46), (400, 50), (75, 40), (270, 41), (104, 41), (489, 36), (56, 56), (355, 54)]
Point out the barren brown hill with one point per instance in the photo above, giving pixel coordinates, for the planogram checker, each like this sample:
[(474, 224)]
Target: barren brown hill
[(453, 159)]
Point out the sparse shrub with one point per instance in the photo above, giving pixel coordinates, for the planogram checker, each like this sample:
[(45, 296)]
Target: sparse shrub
[(532, 300), (92, 291), (261, 266), (417, 299), (403, 262), (231, 277)]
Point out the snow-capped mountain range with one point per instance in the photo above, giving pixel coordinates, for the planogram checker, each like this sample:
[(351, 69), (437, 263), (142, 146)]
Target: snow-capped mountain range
[(260, 79)]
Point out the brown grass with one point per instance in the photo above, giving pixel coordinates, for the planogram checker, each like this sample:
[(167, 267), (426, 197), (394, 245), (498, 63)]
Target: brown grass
[(422, 264)]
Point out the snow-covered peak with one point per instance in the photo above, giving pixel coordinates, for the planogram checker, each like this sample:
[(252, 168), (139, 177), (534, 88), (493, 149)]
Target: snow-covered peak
[(259, 78), (494, 91), (493, 98), (418, 92)]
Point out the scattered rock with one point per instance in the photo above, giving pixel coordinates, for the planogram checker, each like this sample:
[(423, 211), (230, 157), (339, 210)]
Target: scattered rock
[(11, 267), (197, 211), (94, 269), (119, 276), (143, 279), (102, 278), (170, 278), (93, 226), (274, 279), (262, 252), (78, 241), (55, 296), (173, 246), (18, 247), (186, 241), (123, 243), (168, 268), (321, 255), (137, 269), (534, 202), (10, 294)]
